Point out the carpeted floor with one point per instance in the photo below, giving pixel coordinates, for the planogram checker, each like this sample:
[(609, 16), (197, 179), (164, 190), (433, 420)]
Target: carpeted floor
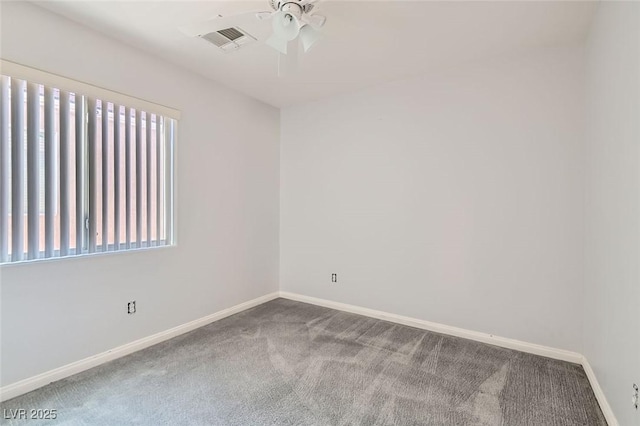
[(290, 363)]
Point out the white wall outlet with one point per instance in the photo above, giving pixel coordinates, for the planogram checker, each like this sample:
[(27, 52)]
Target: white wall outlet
[(334, 278), (131, 307)]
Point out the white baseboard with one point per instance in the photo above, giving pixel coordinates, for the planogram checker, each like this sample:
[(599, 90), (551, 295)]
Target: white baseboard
[(35, 382), (504, 342), (597, 390)]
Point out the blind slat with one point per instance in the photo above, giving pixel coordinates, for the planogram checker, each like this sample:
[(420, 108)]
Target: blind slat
[(128, 166), (158, 180), (5, 168), (92, 142), (138, 179), (65, 164), (33, 170), (17, 168), (148, 180), (116, 177), (80, 172), (168, 170), (105, 176), (49, 170)]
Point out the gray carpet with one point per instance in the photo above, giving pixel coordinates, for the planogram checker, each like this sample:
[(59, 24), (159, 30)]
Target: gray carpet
[(290, 363)]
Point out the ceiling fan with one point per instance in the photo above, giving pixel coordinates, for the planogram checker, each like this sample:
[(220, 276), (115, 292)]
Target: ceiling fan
[(292, 19), (294, 24)]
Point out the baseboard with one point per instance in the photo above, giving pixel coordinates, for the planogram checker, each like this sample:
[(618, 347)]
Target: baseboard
[(504, 342), (35, 382), (597, 390)]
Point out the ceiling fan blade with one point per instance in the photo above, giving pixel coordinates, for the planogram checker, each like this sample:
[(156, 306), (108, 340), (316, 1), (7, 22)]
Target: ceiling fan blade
[(316, 21), (282, 65), (308, 37), (277, 43), (288, 64), (264, 15)]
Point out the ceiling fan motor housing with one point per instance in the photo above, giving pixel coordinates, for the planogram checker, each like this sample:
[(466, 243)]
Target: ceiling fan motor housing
[(303, 6)]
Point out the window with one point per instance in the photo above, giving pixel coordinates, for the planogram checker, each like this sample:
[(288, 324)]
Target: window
[(81, 171)]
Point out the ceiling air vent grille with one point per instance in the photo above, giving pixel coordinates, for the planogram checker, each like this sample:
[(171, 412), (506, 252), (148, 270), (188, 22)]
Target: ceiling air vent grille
[(231, 33), (216, 39), (229, 38)]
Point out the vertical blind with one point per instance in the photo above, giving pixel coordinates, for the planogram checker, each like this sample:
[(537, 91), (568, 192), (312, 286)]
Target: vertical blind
[(80, 175)]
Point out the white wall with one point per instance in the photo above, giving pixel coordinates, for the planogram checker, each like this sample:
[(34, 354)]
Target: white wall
[(456, 197), (56, 312), (612, 279)]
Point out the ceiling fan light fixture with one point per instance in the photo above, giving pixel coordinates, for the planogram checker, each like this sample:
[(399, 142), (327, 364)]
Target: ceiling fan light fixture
[(308, 37), (285, 26)]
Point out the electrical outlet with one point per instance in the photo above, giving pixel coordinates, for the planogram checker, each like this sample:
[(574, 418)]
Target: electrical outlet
[(334, 278), (635, 399), (131, 307)]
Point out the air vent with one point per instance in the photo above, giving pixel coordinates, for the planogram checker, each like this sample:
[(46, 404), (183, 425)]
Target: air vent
[(229, 38), (216, 38), (231, 33)]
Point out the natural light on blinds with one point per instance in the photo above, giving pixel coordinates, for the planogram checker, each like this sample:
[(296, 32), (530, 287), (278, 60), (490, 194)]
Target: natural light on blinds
[(81, 175)]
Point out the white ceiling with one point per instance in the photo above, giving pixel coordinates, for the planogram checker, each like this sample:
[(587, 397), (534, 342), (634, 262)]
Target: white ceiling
[(364, 43)]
